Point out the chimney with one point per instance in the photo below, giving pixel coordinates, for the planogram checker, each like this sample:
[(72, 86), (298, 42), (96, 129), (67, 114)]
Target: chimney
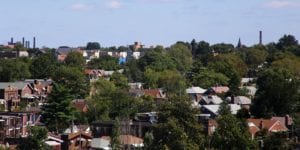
[(261, 124), (260, 37), (23, 42), (33, 42), (11, 40), (232, 99)]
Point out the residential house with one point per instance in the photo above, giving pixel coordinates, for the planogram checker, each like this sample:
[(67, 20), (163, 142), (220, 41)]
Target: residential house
[(217, 90), (244, 101), (80, 105), (251, 90), (54, 141), (212, 110), (271, 125), (210, 100), (209, 125), (13, 92), (158, 94), (78, 140), (195, 94), (246, 81), (126, 141)]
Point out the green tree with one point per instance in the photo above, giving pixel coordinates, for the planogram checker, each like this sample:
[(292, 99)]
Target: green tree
[(119, 80), (43, 66), (177, 127), (108, 102), (57, 113), (75, 59), (206, 78), (255, 57), (132, 71), (157, 60), (278, 93), (287, 41), (222, 47), (72, 78), (104, 62), (181, 56), (228, 71), (100, 101), (92, 45), (35, 141), (231, 133), (235, 61), (13, 70), (115, 137)]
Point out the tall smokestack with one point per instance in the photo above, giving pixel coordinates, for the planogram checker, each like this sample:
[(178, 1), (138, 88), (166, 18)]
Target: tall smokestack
[(11, 40), (23, 42), (260, 37), (28, 44), (33, 42)]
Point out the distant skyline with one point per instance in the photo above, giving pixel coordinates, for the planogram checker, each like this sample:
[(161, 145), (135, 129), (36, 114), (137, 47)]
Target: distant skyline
[(153, 22)]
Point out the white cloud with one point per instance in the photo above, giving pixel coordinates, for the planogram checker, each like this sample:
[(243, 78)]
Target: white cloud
[(80, 7), (114, 4), (282, 4)]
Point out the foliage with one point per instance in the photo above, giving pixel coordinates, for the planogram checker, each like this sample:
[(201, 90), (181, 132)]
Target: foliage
[(104, 62), (181, 56), (235, 61), (287, 61), (108, 102), (277, 93), (57, 113), (73, 79), (228, 71), (171, 81), (119, 80), (276, 141), (222, 47), (35, 141), (75, 59), (206, 78), (92, 45), (231, 133), (177, 128), (255, 57), (287, 41), (43, 66), (157, 60), (115, 137), (132, 71), (13, 70)]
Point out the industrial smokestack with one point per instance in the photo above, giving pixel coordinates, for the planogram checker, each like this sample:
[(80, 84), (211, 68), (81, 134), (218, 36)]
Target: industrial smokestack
[(23, 42), (260, 37), (33, 42), (11, 40)]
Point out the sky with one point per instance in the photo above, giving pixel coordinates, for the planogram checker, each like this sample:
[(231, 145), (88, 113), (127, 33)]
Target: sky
[(73, 23)]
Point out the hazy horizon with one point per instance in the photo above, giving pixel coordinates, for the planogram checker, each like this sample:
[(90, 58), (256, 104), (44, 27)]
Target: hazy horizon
[(153, 22)]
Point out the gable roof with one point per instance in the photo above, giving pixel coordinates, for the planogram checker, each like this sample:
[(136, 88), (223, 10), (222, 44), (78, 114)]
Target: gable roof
[(156, 93), (212, 99), (195, 90), (220, 89), (215, 108), (270, 124), (19, 85), (240, 100)]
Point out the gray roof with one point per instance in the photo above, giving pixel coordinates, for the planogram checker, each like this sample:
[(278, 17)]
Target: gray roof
[(215, 108), (20, 85), (212, 99)]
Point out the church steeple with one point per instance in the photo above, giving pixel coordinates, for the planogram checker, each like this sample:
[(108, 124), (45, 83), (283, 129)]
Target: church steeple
[(239, 45)]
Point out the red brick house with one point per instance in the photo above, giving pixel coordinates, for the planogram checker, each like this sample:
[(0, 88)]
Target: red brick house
[(271, 125)]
